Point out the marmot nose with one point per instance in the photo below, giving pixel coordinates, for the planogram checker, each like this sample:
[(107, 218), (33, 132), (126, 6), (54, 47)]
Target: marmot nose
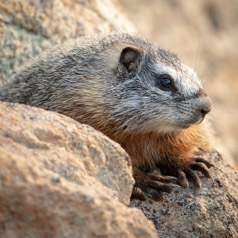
[(205, 106)]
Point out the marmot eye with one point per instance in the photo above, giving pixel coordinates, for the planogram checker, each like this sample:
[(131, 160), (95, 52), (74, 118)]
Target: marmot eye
[(165, 83)]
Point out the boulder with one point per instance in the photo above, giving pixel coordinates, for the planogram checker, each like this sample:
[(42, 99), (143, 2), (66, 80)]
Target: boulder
[(59, 178)]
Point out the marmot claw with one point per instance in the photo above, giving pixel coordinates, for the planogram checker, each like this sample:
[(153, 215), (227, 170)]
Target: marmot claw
[(152, 186), (199, 164)]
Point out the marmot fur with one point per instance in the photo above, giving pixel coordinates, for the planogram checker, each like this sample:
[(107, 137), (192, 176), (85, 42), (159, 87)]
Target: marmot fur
[(138, 94)]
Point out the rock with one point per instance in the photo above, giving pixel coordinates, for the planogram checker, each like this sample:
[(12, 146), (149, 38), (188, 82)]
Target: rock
[(59, 178), (211, 211), (28, 27), (76, 152)]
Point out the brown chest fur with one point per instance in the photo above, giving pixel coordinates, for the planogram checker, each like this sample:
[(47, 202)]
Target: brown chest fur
[(150, 150)]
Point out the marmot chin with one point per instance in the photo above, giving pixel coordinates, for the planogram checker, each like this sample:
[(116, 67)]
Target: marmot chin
[(135, 92)]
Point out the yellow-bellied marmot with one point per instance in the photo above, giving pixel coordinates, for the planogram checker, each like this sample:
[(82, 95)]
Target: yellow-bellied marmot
[(136, 93)]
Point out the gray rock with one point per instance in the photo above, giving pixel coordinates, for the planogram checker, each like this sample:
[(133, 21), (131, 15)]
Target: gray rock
[(211, 211)]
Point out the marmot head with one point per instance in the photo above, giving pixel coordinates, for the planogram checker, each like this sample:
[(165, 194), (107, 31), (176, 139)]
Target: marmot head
[(153, 90)]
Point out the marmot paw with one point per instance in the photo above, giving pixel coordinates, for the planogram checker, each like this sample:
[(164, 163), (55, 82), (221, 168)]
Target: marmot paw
[(199, 164), (152, 186)]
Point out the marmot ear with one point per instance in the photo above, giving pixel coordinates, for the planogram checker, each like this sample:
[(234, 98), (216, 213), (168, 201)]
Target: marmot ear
[(130, 58)]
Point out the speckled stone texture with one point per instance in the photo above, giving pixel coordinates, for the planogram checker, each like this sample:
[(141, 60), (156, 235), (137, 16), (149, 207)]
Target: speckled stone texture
[(59, 178), (208, 212), (30, 26)]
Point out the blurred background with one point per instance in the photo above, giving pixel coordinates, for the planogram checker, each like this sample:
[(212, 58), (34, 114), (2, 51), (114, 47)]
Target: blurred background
[(204, 34)]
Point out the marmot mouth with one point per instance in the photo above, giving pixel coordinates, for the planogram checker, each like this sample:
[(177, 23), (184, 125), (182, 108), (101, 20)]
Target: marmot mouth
[(198, 121), (184, 126), (188, 124)]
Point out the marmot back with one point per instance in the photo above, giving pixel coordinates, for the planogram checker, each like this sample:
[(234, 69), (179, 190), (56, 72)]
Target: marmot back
[(133, 91)]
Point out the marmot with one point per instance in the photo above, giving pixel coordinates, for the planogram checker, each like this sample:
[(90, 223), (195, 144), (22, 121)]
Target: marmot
[(135, 92)]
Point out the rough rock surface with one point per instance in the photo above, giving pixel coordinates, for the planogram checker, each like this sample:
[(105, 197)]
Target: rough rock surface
[(30, 26), (211, 211), (59, 178)]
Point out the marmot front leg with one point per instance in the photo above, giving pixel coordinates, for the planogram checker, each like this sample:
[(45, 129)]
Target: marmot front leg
[(151, 185), (188, 172)]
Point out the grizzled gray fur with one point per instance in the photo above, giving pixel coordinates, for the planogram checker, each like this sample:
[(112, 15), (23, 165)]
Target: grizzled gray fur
[(85, 79)]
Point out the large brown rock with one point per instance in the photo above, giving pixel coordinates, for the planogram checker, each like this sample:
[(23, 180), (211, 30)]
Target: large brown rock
[(211, 211), (59, 178)]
